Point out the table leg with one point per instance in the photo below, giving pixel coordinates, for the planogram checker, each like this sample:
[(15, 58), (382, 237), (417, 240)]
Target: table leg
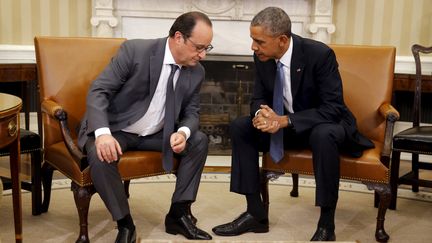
[(16, 187)]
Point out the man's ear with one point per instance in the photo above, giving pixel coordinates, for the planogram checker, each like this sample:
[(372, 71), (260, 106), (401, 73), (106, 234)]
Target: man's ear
[(283, 40), (178, 36)]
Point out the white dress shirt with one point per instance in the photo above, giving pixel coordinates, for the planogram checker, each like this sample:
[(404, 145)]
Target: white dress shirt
[(286, 61)]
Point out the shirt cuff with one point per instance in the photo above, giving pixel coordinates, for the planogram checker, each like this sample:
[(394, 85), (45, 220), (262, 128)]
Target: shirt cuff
[(186, 130), (102, 131)]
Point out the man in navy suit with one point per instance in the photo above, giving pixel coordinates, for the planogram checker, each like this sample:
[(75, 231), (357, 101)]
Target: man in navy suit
[(312, 114), (126, 107)]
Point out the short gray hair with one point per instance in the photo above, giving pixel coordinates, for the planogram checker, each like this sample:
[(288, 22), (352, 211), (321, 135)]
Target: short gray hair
[(274, 20)]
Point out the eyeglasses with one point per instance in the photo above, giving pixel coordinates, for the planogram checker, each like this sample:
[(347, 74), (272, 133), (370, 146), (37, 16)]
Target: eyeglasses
[(200, 48)]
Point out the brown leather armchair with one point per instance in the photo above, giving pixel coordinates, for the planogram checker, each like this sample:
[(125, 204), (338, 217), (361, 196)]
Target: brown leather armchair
[(367, 76), (66, 67)]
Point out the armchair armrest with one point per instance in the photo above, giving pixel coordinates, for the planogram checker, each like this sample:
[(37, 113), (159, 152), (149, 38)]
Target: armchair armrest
[(391, 115), (56, 111), (50, 108), (389, 112)]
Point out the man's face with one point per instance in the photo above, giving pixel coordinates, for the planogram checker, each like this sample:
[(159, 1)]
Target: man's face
[(192, 49), (264, 45)]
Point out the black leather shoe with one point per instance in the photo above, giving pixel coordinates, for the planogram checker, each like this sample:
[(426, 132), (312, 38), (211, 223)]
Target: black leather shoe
[(126, 235), (244, 223), (186, 227), (323, 234)]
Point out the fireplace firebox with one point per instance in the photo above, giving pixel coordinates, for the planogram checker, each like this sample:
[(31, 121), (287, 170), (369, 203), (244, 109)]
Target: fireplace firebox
[(225, 95)]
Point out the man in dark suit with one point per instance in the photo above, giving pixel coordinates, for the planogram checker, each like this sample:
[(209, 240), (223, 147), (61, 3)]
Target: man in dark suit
[(297, 102), (126, 111)]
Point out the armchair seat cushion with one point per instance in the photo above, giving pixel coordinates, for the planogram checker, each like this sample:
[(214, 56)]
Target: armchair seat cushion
[(368, 167), (414, 139), (131, 165)]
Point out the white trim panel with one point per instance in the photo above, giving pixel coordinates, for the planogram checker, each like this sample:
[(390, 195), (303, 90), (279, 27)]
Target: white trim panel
[(17, 54), (26, 54)]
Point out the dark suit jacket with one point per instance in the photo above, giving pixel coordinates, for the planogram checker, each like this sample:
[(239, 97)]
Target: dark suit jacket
[(121, 94), (316, 88)]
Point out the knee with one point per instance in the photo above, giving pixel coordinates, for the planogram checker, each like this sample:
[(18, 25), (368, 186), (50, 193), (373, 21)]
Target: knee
[(240, 126), (93, 160), (199, 140), (327, 133)]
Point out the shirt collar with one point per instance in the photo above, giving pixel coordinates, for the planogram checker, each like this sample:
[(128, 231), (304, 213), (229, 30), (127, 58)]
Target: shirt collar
[(168, 57), (286, 58)]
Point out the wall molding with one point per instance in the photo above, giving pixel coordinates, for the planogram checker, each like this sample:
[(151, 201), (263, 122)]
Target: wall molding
[(17, 54), (406, 65), (26, 54)]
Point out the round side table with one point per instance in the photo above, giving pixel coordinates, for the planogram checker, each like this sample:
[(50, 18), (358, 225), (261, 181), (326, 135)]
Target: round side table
[(10, 107)]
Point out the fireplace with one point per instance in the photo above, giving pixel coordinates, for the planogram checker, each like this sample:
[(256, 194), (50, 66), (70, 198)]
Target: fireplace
[(225, 95)]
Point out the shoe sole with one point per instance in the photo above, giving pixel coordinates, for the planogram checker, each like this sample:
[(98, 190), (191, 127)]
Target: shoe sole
[(256, 230), (172, 232), (176, 232)]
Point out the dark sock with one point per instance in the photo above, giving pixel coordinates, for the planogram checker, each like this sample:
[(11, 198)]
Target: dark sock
[(126, 222), (255, 206), (327, 218), (178, 209)]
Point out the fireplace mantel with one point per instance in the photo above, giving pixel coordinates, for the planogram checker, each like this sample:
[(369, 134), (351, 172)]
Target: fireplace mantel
[(231, 18)]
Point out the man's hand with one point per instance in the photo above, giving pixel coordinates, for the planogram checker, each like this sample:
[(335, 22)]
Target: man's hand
[(107, 148), (178, 141), (268, 121)]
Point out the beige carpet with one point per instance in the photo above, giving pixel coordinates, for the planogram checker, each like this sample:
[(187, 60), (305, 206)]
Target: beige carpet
[(291, 219)]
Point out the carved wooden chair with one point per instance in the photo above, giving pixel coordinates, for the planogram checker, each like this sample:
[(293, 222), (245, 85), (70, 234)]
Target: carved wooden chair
[(415, 140), (66, 67), (367, 76)]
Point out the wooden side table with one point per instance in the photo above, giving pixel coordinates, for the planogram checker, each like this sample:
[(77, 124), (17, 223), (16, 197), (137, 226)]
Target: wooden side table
[(10, 107)]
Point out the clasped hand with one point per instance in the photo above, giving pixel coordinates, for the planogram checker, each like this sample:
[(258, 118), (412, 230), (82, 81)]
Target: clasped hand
[(267, 120)]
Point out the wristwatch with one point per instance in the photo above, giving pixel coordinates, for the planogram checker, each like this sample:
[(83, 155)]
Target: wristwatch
[(290, 125)]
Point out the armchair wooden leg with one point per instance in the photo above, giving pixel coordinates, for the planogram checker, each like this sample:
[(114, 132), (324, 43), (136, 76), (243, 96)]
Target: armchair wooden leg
[(36, 187), (394, 178), (126, 187), (294, 190), (82, 196), (265, 190), (46, 174), (384, 193), (376, 200)]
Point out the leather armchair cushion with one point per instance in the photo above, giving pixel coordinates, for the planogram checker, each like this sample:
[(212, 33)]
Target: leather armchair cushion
[(368, 167), (131, 165)]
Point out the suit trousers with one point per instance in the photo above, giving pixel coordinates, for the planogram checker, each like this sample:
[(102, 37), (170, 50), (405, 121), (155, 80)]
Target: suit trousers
[(324, 140), (107, 180)]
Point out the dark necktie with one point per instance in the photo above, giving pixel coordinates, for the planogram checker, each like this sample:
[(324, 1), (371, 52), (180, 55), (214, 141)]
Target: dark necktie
[(168, 129), (276, 139)]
